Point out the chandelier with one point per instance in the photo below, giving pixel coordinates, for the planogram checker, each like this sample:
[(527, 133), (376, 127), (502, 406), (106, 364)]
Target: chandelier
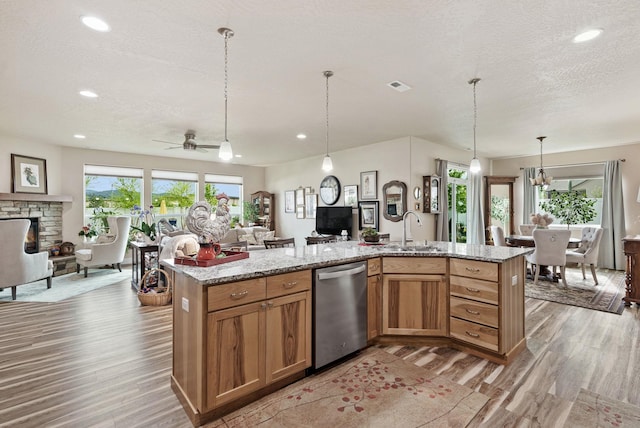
[(225, 153), (541, 179)]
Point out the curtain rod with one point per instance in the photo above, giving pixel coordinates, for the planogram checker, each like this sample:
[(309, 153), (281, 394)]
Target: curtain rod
[(574, 164)]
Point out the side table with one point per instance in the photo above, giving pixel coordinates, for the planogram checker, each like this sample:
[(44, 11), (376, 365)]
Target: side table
[(138, 265)]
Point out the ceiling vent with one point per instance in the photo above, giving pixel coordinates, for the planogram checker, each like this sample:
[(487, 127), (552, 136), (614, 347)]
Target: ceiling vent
[(398, 86)]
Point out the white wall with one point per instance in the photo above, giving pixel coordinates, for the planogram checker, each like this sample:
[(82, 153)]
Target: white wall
[(405, 159), (630, 175)]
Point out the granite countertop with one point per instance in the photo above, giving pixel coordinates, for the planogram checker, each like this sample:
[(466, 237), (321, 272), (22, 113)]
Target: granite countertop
[(283, 260)]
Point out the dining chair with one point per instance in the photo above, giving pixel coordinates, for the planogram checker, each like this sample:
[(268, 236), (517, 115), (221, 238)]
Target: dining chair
[(312, 240), (279, 243), (587, 252), (497, 234), (551, 247), (527, 229)]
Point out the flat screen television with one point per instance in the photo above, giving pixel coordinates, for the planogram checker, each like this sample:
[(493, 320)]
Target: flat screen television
[(333, 220)]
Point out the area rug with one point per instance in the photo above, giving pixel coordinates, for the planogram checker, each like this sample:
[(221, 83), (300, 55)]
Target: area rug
[(374, 389), (606, 296), (593, 410), (65, 286)]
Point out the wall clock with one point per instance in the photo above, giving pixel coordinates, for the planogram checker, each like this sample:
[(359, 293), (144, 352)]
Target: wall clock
[(330, 190)]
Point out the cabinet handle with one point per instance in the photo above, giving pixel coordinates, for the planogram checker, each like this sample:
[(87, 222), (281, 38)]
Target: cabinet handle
[(472, 290), (473, 312), (476, 335), (474, 270), (263, 306), (240, 295), (270, 304), (289, 284)]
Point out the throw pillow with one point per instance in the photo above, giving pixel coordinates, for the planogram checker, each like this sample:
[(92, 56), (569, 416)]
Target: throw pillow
[(251, 240), (261, 236)]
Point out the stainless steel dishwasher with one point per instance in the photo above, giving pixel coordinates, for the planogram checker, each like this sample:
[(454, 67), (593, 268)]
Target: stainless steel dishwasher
[(339, 312)]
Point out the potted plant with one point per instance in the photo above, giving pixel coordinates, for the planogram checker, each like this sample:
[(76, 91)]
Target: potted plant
[(250, 212), (369, 234), (570, 207)]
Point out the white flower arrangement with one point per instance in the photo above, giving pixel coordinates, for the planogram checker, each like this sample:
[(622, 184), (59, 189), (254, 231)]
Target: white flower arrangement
[(541, 220)]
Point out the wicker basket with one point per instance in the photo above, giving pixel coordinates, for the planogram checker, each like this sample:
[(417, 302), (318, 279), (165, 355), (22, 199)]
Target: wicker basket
[(162, 296)]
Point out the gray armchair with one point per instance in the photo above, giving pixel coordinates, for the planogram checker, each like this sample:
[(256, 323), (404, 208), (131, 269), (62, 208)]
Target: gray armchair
[(18, 267), (107, 253), (551, 245)]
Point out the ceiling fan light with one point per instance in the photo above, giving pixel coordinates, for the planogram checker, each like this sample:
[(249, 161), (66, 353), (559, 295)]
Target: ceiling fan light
[(225, 153), (327, 164), (475, 166)]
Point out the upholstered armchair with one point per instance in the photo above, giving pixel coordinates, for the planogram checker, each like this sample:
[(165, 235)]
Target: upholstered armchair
[(18, 267), (587, 252), (497, 234), (551, 246), (106, 253)]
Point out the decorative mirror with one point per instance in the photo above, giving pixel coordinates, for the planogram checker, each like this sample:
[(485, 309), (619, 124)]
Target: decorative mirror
[(395, 200), (431, 194)]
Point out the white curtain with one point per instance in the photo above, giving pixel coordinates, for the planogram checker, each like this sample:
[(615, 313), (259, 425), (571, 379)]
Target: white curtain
[(611, 255), (442, 219), (528, 195), (475, 220)]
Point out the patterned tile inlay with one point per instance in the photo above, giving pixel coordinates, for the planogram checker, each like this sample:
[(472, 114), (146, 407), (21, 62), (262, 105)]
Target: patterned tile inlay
[(282, 260)]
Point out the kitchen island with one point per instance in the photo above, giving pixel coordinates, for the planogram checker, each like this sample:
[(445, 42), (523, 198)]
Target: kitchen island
[(243, 329)]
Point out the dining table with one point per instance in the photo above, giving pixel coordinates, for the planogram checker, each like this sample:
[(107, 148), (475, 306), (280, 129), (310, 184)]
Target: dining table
[(527, 241)]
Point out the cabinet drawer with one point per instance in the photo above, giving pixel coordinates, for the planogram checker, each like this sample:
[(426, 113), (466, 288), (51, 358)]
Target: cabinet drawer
[(236, 293), (480, 270), (477, 334), (414, 265), (287, 283), (482, 291), (474, 311), (373, 267)]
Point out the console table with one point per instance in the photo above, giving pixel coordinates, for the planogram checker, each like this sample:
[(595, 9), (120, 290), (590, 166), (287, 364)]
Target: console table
[(139, 266), (632, 273)]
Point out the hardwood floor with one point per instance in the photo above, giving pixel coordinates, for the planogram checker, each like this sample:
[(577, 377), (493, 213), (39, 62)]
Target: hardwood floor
[(100, 359)]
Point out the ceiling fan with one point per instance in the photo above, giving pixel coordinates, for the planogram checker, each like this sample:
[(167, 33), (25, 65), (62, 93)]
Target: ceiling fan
[(190, 143)]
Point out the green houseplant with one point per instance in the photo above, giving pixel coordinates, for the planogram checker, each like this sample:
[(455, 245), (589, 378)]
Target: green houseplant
[(369, 234), (250, 212), (570, 207)]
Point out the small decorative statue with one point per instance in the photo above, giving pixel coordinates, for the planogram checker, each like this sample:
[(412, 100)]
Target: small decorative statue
[(209, 230)]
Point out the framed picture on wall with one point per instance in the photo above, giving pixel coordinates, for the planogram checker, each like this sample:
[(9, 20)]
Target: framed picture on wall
[(311, 203), (289, 201), (351, 196), (368, 214), (369, 185), (28, 175)]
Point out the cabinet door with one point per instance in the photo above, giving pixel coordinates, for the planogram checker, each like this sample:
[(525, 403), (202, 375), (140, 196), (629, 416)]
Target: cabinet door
[(414, 305), (235, 353), (374, 306), (288, 335)]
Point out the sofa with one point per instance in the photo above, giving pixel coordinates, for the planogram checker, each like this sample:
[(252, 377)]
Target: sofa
[(254, 237)]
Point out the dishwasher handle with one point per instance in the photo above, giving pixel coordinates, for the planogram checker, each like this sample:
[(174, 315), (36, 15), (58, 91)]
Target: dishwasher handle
[(340, 273)]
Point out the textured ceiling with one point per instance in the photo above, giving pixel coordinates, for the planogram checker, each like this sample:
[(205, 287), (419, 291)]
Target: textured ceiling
[(160, 72)]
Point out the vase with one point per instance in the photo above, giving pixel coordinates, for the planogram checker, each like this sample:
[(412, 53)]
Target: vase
[(208, 251), (541, 227), (149, 241)]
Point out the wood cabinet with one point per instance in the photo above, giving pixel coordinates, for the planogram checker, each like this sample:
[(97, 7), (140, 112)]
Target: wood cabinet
[(487, 304), (414, 296), (632, 272), (374, 298), (265, 204)]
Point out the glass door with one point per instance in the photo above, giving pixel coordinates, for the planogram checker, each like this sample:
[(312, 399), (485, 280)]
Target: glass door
[(457, 201)]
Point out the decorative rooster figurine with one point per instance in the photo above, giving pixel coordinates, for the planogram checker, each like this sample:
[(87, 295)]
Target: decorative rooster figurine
[(199, 220)]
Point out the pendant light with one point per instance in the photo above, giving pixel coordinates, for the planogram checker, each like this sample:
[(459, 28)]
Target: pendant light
[(541, 179), (474, 166), (327, 164), (225, 153)]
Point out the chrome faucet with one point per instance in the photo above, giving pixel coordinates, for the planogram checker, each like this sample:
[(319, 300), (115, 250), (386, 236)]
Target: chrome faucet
[(404, 225)]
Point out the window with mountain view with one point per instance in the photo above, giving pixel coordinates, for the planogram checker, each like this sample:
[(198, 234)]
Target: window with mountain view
[(173, 193)]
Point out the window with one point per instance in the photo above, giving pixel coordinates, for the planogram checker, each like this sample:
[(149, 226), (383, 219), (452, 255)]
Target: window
[(110, 191), (229, 185), (173, 193), (589, 187), (457, 203)]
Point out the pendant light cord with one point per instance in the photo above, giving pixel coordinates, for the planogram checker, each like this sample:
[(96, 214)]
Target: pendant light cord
[(226, 79), (327, 74), (474, 81)]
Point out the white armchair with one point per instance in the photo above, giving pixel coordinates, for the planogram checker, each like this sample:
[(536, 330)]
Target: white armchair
[(108, 253), (587, 252), (551, 246), (18, 267)]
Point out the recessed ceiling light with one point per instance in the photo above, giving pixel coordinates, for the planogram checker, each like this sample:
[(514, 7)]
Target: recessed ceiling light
[(301, 136), (587, 35), (79, 136), (95, 23), (399, 86), (88, 94), (238, 156)]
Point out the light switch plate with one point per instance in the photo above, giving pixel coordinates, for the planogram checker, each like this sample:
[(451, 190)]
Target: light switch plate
[(514, 280), (185, 304)]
